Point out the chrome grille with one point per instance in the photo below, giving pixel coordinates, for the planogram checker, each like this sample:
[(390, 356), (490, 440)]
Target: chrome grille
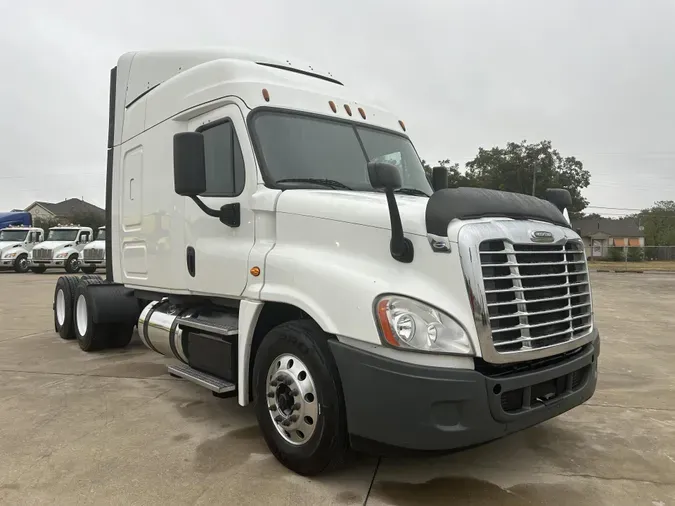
[(537, 295), (42, 254), (93, 254)]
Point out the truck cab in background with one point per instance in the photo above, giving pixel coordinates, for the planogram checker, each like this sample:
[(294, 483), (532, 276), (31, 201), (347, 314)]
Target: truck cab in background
[(16, 244), (275, 236), (92, 255), (61, 248)]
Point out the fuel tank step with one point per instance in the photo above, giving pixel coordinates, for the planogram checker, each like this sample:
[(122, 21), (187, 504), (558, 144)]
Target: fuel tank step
[(216, 385)]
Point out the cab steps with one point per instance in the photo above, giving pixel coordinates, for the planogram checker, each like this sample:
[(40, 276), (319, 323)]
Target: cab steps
[(218, 386)]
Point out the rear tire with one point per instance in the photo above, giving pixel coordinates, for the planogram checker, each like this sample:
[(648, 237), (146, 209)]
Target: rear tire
[(64, 295), (72, 265), (306, 389), (90, 336), (88, 269), (120, 335), (21, 264), (39, 269)]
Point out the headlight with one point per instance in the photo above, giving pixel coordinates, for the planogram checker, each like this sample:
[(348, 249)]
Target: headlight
[(10, 255), (409, 324), (62, 255)]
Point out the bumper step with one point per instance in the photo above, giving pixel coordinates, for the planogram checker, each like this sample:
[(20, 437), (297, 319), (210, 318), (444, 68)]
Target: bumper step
[(216, 385)]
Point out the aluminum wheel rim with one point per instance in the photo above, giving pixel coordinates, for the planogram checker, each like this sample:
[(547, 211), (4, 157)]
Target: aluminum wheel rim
[(23, 263), (291, 399), (60, 307), (81, 315)]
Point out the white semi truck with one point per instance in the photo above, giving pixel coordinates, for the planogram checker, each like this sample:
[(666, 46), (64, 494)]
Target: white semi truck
[(92, 256), (16, 244), (61, 249), (277, 239)]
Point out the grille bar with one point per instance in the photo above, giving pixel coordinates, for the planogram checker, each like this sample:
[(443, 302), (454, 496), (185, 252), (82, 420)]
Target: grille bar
[(548, 336), (520, 276), (42, 254), (533, 288), (526, 264), (541, 312), (538, 295)]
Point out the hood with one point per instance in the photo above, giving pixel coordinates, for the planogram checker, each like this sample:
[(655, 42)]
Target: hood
[(95, 245), (7, 245), (52, 244), (362, 208)]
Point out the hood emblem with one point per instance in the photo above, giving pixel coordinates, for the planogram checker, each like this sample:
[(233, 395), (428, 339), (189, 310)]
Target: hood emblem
[(541, 236)]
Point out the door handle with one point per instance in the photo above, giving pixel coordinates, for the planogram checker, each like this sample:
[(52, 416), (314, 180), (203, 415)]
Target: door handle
[(190, 257)]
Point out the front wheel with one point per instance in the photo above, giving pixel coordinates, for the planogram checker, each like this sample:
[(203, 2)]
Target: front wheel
[(21, 264), (39, 269), (72, 264), (298, 398), (88, 269)]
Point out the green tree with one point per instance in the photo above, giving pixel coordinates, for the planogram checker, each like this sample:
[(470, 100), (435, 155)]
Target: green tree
[(658, 222), (513, 169)]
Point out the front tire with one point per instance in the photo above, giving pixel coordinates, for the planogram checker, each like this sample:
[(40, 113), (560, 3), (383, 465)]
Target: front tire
[(39, 269), (298, 398), (88, 269), (72, 264), (21, 264)]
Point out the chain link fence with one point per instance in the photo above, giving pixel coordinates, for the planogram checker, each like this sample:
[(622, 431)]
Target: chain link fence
[(631, 258)]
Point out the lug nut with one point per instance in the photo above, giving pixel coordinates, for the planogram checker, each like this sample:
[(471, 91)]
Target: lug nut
[(278, 418), (294, 392), (273, 407), (296, 406)]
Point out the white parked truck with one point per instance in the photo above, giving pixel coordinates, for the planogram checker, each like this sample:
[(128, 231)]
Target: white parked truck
[(92, 255), (16, 244), (276, 238), (61, 248)]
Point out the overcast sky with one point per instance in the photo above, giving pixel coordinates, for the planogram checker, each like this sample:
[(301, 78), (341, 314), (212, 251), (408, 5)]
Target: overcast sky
[(597, 78)]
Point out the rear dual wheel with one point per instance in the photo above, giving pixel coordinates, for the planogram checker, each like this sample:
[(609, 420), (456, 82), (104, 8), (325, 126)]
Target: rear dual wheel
[(64, 301), (93, 336)]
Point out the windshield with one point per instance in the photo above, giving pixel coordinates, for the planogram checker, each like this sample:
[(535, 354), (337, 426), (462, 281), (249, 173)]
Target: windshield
[(13, 235), (62, 235), (295, 146), (101, 235)]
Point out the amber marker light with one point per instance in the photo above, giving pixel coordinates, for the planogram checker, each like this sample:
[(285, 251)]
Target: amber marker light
[(332, 105), (266, 94), (348, 109), (387, 332), (255, 271), (400, 122), (362, 113)]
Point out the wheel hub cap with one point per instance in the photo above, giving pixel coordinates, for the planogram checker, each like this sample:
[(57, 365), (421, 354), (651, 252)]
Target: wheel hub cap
[(60, 307), (291, 399), (81, 315)]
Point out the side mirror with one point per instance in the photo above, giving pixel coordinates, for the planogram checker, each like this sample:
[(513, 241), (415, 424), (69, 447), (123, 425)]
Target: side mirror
[(559, 197), (189, 164), (384, 176), (439, 178), (387, 177)]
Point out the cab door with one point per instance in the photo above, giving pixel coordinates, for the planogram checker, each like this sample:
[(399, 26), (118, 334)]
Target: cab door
[(216, 254)]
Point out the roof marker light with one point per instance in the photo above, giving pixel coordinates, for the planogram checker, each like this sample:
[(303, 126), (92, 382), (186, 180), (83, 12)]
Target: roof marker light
[(266, 94), (332, 105), (400, 122), (348, 109), (362, 113)]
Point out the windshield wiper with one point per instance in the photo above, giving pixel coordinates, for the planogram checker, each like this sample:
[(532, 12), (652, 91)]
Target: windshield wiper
[(411, 191), (330, 183)]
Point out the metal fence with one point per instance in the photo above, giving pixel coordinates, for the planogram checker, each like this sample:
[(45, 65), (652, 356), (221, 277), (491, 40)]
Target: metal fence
[(632, 257)]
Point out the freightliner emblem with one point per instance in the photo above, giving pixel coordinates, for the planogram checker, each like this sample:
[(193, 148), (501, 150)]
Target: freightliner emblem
[(541, 236)]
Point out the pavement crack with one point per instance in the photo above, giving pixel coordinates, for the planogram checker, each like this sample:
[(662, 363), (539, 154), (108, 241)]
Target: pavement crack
[(617, 478), (637, 408), (372, 481)]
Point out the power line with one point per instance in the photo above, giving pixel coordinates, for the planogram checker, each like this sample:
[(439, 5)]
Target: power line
[(55, 174)]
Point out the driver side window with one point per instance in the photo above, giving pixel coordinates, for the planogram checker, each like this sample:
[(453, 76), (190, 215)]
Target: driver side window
[(225, 175)]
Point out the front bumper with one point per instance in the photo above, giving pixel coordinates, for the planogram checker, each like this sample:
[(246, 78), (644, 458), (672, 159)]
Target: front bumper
[(97, 263), (60, 262), (396, 404), (7, 262)]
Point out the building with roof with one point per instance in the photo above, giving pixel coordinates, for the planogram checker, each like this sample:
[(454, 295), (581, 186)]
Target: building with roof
[(64, 210), (600, 234)]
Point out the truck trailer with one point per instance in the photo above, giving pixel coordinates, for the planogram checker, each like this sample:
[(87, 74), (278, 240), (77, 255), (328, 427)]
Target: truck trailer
[(276, 237)]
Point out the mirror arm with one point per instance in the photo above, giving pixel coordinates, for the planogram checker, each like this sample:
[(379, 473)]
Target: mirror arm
[(211, 212), (400, 246)]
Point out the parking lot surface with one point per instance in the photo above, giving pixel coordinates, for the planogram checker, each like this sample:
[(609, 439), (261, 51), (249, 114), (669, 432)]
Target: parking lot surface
[(115, 428)]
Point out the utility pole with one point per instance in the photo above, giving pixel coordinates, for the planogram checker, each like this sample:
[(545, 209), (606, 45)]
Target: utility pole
[(534, 176)]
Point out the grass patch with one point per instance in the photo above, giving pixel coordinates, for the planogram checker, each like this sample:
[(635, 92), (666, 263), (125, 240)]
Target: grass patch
[(633, 266)]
